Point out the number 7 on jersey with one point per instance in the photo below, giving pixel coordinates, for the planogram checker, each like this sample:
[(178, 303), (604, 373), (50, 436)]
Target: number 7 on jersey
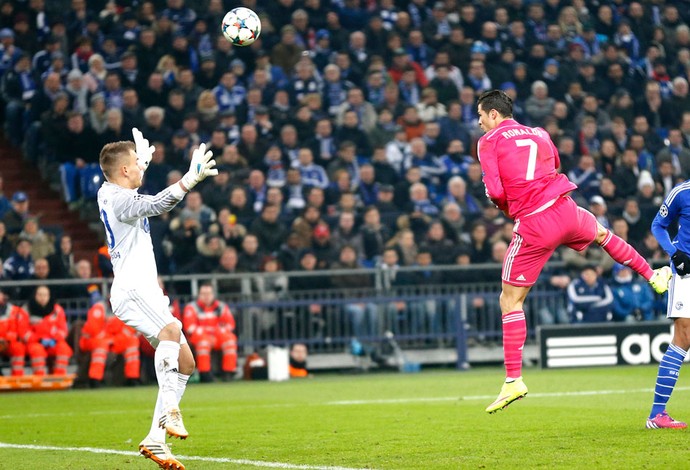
[(532, 159)]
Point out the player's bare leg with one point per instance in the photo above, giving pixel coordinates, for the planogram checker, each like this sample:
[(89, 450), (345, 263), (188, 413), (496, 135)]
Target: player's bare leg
[(514, 335), (621, 251)]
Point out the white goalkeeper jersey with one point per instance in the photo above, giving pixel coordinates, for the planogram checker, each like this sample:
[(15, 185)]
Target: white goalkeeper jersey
[(125, 213)]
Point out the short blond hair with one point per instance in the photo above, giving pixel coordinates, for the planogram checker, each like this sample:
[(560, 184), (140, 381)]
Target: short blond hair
[(112, 155)]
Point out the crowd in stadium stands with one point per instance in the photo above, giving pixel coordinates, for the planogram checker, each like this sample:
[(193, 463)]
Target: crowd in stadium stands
[(348, 128)]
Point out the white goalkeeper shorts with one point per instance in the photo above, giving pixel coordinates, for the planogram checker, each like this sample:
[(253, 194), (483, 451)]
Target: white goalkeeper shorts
[(148, 312), (678, 297)]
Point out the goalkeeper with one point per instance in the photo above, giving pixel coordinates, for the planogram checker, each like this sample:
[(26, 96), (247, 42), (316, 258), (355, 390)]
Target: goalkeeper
[(676, 208), (136, 297)]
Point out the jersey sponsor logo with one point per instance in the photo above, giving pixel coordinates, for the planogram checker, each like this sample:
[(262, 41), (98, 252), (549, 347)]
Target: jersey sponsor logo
[(663, 210)]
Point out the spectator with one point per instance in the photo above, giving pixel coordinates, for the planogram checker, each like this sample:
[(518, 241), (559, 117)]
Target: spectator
[(317, 282), (17, 88), (346, 234), (404, 243), (61, 262), (198, 211), (586, 177), (312, 175), (209, 248), (287, 52), (94, 78), (625, 176), (87, 290), (638, 223), (457, 194), (269, 231), (365, 110), (674, 152), (250, 147), (228, 265), (430, 165), (97, 115), (114, 130), (430, 109), (384, 172), (50, 331), (289, 254), (480, 245), (239, 204), (363, 316), (251, 257), (350, 130), (15, 218), (210, 326), (420, 205), (20, 265), (79, 144), (227, 227), (453, 222), (322, 246), (590, 299), (103, 333), (154, 127), (42, 243), (633, 300), (184, 232), (539, 105), (77, 91), (442, 250)]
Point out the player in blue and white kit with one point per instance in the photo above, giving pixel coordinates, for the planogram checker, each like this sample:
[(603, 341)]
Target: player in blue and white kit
[(676, 207), (136, 297)]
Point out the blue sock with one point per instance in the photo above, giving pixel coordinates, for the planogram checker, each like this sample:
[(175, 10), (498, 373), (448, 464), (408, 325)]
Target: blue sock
[(669, 369)]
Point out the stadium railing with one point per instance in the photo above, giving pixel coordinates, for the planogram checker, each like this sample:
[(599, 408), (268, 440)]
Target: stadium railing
[(446, 315)]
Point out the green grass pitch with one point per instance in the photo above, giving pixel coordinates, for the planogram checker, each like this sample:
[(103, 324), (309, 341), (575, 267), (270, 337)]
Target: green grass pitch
[(585, 418)]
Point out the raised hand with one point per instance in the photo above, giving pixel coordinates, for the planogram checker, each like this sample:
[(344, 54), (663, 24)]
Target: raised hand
[(200, 167), (143, 148)]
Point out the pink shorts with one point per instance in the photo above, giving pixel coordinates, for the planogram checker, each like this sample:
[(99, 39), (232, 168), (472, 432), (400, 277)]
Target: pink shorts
[(536, 237)]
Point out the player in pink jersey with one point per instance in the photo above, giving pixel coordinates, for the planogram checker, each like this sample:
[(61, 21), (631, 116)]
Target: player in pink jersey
[(520, 166)]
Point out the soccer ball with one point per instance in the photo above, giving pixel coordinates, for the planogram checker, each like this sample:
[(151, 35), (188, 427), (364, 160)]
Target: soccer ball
[(241, 26)]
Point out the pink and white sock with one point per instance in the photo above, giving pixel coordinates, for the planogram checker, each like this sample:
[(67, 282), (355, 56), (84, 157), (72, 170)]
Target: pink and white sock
[(626, 255), (514, 335)]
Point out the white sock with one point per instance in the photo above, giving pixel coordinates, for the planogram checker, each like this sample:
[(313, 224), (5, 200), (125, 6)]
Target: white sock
[(157, 433), (181, 386), (166, 362)]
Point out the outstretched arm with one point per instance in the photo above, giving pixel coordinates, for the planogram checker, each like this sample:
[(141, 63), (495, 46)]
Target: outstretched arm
[(139, 206)]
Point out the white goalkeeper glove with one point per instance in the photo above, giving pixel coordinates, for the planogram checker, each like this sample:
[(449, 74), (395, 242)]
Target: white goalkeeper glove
[(201, 167), (143, 149)]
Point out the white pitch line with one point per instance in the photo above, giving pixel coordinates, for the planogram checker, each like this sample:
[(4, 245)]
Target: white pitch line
[(394, 401), (253, 463)]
